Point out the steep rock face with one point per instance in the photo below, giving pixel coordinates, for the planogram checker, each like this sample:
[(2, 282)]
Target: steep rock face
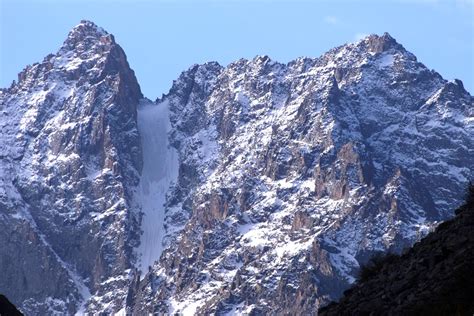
[(432, 278), (291, 175), (70, 158)]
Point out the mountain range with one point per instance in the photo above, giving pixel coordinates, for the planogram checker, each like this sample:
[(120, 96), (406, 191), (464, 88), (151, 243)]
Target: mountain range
[(253, 188)]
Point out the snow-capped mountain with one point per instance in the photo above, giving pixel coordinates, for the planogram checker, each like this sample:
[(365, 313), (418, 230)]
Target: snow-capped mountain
[(70, 162), (259, 187)]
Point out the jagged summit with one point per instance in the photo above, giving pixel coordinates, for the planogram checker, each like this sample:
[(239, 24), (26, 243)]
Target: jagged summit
[(88, 52), (378, 44), (84, 30), (350, 54), (87, 27), (87, 36), (374, 50)]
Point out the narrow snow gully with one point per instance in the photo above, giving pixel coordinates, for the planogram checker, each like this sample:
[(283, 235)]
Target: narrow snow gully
[(160, 170)]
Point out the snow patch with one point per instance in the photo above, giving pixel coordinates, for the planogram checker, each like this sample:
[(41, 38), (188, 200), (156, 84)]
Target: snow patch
[(386, 61)]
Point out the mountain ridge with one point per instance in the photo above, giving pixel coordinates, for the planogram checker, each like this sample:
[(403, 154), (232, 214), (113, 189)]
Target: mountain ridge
[(192, 92)]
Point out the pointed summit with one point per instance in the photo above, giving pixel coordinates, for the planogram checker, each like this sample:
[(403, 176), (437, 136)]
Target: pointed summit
[(87, 28), (89, 54), (378, 44), (89, 33)]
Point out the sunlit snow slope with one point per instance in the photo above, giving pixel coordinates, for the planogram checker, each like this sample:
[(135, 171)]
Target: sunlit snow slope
[(160, 169)]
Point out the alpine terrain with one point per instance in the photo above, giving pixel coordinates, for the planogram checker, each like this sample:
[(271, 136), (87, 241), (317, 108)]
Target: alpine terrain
[(255, 188)]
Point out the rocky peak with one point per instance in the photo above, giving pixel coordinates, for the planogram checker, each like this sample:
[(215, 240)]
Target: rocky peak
[(379, 44), (88, 55), (197, 80), (71, 153), (261, 61), (455, 88), (86, 32), (442, 99)]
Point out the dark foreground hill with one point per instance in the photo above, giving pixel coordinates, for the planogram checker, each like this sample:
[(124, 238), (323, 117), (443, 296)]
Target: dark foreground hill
[(435, 277), (7, 308)]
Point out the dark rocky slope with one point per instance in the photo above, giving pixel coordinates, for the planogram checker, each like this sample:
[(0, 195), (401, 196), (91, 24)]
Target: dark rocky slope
[(435, 277), (7, 308)]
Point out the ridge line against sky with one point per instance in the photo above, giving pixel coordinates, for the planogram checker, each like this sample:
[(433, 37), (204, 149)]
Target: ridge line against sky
[(163, 38)]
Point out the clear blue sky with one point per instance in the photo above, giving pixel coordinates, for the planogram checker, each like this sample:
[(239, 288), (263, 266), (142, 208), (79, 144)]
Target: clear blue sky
[(164, 37)]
